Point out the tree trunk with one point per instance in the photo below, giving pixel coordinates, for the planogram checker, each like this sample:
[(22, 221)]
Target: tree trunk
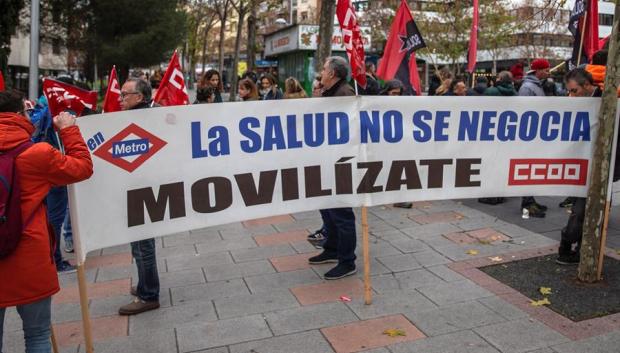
[(252, 35), (597, 202), (235, 68), (223, 17), (204, 51), (326, 31)]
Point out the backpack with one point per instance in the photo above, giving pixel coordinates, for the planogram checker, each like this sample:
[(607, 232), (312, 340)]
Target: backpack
[(11, 225)]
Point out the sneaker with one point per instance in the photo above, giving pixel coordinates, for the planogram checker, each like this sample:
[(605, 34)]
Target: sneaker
[(535, 211), (491, 200), (65, 267), (68, 245), (567, 203), (403, 205), (542, 207), (138, 306), (322, 258), (340, 271), (134, 291), (317, 236), (571, 259)]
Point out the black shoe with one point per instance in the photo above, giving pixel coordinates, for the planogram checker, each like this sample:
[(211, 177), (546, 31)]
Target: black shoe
[(322, 258), (317, 236), (65, 267), (340, 271), (535, 211), (571, 259), (403, 205), (567, 203), (491, 200), (542, 207)]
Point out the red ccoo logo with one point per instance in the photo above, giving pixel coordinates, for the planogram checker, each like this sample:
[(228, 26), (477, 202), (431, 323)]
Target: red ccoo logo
[(548, 172)]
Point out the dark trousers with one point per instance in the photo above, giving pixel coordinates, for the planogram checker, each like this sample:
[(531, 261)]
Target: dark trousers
[(341, 236), (574, 228), (57, 201), (527, 201), (143, 252)]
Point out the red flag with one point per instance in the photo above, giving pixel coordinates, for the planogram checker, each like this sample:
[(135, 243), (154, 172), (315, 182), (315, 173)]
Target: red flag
[(352, 38), (172, 87), (399, 58), (61, 96), (591, 40), (1, 82), (111, 101), (473, 40)]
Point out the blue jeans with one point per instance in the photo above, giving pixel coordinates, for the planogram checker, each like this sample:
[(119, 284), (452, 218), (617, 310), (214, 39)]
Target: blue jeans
[(341, 236), (143, 252), (57, 201), (66, 225), (36, 322)]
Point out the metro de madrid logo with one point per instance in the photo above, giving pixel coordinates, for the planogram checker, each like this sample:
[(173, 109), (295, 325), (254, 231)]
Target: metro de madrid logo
[(130, 148)]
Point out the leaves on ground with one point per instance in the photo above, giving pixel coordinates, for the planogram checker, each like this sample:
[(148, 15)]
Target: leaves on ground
[(540, 302), (544, 290), (471, 252), (496, 259), (485, 241), (393, 332)]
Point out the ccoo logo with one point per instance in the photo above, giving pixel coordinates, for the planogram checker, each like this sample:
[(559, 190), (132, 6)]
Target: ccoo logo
[(130, 148), (548, 172)]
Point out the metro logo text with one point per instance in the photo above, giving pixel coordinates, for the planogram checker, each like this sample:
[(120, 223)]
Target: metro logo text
[(130, 148), (548, 172)]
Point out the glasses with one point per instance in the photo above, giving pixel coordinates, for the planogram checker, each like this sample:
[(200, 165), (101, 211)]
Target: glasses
[(125, 94)]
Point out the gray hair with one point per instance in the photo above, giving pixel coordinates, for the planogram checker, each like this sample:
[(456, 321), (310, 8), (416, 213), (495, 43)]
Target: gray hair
[(142, 87), (504, 76), (339, 66)]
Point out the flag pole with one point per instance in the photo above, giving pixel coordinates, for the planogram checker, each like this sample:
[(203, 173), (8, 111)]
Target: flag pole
[(53, 339), (583, 33)]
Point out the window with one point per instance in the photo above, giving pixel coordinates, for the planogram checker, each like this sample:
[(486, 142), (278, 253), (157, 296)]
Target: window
[(605, 19), (56, 46), (304, 16)]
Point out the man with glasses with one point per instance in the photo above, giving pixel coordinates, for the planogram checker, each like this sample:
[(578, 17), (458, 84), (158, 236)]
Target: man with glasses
[(136, 94)]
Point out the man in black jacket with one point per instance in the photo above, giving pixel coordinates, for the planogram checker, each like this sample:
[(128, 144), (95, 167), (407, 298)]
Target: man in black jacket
[(339, 222), (579, 83)]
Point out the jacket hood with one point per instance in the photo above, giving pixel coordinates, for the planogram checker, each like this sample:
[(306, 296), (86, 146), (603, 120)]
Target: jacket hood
[(506, 89), (14, 130), (531, 78), (597, 72)]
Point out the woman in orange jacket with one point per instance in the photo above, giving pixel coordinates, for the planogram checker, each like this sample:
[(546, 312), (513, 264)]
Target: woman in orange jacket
[(28, 275)]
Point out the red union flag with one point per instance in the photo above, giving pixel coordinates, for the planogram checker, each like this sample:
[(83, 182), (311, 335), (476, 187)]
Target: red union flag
[(473, 40), (62, 96), (111, 101), (352, 38), (172, 87)]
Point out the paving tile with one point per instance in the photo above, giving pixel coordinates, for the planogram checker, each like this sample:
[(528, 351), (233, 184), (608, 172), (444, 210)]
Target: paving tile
[(181, 250), (454, 292), (14, 343), (329, 291), (230, 271), (304, 247), (193, 337), (268, 282), (503, 308), (214, 350), (116, 249), (453, 318), (209, 291), (247, 233), (94, 290), (305, 342), (408, 245), (281, 238), (606, 343), (408, 280), (461, 238), (487, 234), (70, 279), (114, 273), (458, 342), (509, 336), (268, 220), (362, 335), (292, 262), (120, 259), (445, 273), (226, 245), (378, 248), (309, 318), (256, 303), (391, 303), (430, 229), (70, 333), (430, 258), (261, 253), (439, 217), (400, 263), (181, 278), (162, 341), (199, 260), (174, 316)]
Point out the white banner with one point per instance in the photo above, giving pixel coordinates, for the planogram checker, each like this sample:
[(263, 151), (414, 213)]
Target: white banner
[(165, 170)]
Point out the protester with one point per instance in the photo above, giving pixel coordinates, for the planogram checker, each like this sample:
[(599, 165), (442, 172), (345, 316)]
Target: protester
[(532, 86), (372, 85), (317, 88), (205, 95), (339, 222), (393, 88), (482, 83), (211, 78), (28, 273), (504, 86), (446, 78), (293, 89), (247, 90), (579, 83), (269, 88), (136, 94), (457, 88)]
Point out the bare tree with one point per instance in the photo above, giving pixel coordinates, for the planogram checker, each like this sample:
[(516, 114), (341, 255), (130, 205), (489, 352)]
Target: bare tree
[(326, 31), (222, 8), (252, 23), (241, 7)]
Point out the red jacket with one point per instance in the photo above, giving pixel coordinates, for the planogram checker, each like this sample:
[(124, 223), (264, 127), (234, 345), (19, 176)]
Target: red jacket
[(29, 274)]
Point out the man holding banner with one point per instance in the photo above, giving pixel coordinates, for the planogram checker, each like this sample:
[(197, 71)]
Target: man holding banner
[(339, 222), (136, 94)]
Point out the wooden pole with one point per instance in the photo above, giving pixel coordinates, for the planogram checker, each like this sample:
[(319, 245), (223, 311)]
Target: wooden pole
[(53, 338), (583, 32), (366, 254), (88, 334)]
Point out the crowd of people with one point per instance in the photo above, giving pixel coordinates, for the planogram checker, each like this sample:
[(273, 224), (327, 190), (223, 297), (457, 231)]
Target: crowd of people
[(43, 171)]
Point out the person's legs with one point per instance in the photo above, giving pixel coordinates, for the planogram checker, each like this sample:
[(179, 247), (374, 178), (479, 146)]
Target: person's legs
[(36, 320), (331, 244), (344, 220), (68, 232), (2, 311), (143, 252), (572, 233)]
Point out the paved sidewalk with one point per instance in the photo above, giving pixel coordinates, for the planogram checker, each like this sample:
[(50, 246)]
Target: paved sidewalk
[(247, 288)]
